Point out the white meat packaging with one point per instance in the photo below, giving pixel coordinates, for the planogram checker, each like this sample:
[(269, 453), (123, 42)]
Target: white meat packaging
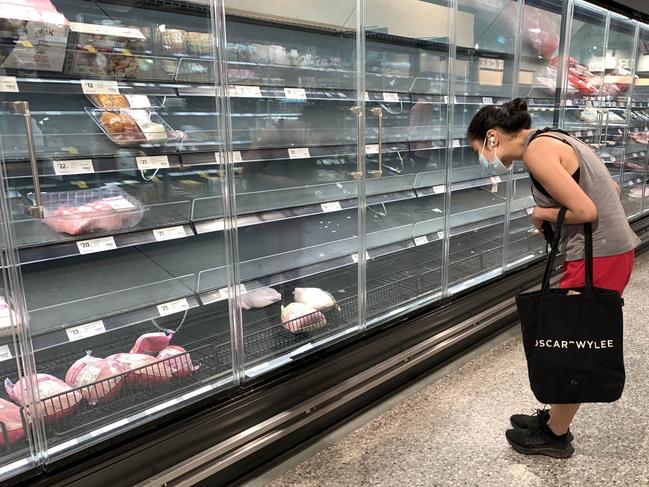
[(180, 365), (314, 297), (297, 317), (260, 298), (151, 343), (10, 417), (145, 369), (48, 386), (103, 377)]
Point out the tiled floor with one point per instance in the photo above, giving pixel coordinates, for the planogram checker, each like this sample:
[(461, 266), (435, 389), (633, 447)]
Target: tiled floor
[(451, 432)]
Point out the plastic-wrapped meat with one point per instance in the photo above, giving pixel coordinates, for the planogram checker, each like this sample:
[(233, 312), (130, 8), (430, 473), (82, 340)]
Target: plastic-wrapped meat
[(314, 297), (180, 365), (149, 371), (102, 376), (151, 343), (297, 317), (540, 30), (260, 298), (13, 424), (56, 402)]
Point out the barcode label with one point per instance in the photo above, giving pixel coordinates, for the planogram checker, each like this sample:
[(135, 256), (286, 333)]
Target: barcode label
[(84, 331), (79, 166), (170, 233), (330, 207), (173, 307), (423, 240), (299, 153), (392, 97), (247, 91), (295, 93), (96, 245), (8, 84), (145, 163), (372, 149), (5, 353), (99, 87)]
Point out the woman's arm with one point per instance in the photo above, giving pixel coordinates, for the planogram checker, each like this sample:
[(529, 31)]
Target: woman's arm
[(543, 161)]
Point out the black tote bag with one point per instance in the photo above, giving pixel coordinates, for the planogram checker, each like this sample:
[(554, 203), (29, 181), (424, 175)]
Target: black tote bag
[(573, 342)]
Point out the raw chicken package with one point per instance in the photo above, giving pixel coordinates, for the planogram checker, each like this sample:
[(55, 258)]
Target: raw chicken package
[(260, 298), (145, 369), (151, 343), (299, 317), (13, 424), (178, 360), (314, 297), (103, 209), (102, 376), (51, 408)]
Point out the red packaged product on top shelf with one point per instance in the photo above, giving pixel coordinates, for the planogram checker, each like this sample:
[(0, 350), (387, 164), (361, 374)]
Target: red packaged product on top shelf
[(10, 417), (51, 408), (102, 378), (180, 365)]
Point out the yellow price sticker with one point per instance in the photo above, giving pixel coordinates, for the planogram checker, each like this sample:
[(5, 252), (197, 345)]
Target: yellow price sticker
[(73, 150), (80, 184), (25, 43)]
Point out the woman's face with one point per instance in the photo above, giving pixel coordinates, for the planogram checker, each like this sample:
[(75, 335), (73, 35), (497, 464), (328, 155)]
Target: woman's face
[(494, 144)]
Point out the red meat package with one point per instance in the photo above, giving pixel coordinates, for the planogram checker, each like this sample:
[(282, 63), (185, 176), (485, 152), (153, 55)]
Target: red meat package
[(65, 400), (145, 368), (178, 360), (13, 424), (100, 375), (151, 343)]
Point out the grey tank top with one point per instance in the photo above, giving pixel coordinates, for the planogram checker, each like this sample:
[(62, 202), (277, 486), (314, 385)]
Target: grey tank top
[(612, 234)]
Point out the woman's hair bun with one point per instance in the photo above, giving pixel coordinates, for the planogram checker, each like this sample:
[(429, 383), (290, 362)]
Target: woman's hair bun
[(510, 117), (516, 105)]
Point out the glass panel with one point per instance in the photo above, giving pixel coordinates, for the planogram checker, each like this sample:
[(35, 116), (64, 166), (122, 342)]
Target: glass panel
[(406, 66), (640, 104), (585, 113), (124, 125), (293, 85)]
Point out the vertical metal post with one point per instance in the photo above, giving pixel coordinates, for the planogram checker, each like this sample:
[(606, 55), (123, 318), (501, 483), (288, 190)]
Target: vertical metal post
[(565, 39), (450, 90), (378, 113), (360, 160), (230, 230), (602, 135), (22, 107)]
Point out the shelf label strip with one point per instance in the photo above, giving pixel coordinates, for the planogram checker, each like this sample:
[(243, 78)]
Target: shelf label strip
[(84, 331), (169, 233), (99, 87), (299, 153), (423, 240), (8, 84), (331, 207), (78, 166), (96, 245), (295, 93), (173, 307), (145, 163)]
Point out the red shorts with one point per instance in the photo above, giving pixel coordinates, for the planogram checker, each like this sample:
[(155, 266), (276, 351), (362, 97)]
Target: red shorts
[(612, 272)]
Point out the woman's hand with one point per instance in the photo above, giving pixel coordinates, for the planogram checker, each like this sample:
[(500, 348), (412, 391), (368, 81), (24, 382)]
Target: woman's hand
[(536, 221)]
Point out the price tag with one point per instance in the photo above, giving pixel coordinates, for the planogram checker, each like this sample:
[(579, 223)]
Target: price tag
[(299, 153), (589, 133), (96, 245), (568, 103), (173, 307), (529, 211), (631, 183), (372, 149), (295, 93), (79, 166), (441, 235), (99, 87), (439, 189), (638, 180), (5, 353), (145, 163), (487, 100), (119, 203), (355, 257), (578, 134), (635, 154), (495, 180), (445, 99), (8, 84), (247, 91), (225, 294), (330, 207), (138, 101), (366, 96), (456, 143), (170, 233), (392, 97), (84, 331), (235, 156), (423, 240)]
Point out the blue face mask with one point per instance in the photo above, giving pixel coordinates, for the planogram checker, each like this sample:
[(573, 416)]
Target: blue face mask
[(495, 167)]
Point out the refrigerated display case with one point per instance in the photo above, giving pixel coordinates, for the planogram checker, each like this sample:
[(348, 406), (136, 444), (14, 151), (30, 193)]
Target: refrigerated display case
[(198, 196)]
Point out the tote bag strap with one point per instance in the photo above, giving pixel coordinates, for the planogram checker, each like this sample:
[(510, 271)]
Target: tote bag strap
[(588, 254)]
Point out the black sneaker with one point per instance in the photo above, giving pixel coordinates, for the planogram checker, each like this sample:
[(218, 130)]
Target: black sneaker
[(526, 421), (540, 441)]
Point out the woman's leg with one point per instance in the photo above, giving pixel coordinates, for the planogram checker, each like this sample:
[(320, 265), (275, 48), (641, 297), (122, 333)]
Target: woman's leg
[(561, 416)]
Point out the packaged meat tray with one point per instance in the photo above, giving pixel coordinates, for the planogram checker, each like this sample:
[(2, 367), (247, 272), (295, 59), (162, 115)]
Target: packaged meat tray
[(129, 127), (142, 102), (91, 210), (58, 399)]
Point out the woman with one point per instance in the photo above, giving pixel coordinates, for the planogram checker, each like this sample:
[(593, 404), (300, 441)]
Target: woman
[(565, 172)]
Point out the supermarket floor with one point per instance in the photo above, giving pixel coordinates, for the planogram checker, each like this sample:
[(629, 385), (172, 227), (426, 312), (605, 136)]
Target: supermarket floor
[(448, 430)]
